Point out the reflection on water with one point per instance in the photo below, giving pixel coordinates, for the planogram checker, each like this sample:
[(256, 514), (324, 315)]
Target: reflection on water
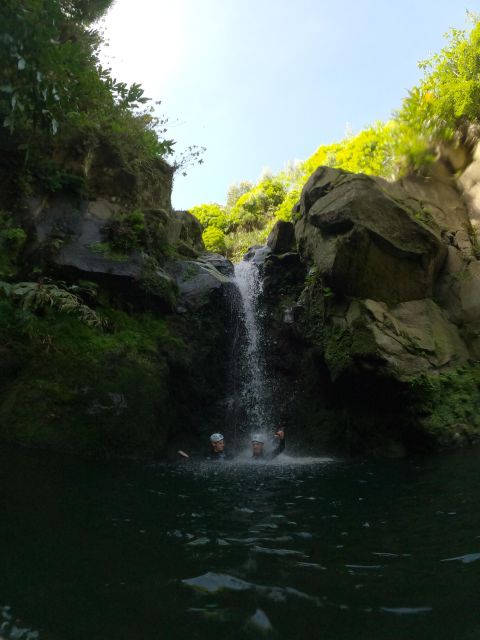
[(290, 548)]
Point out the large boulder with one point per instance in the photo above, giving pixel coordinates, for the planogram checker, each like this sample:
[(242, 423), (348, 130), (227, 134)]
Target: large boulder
[(183, 230), (282, 237), (364, 241), (78, 238), (404, 340), (257, 254), (197, 280)]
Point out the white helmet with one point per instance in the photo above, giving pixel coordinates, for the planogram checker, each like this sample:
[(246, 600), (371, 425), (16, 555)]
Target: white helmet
[(216, 437), (257, 437)]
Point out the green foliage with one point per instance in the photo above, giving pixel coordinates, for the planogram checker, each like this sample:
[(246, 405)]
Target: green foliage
[(127, 231), (190, 156), (249, 219), (133, 231), (449, 403), (284, 211), (211, 215), (370, 152), (76, 388), (253, 209), (236, 191), (232, 231), (214, 240), (446, 99), (12, 241), (440, 108), (58, 105), (40, 296), (86, 11), (238, 243), (108, 252)]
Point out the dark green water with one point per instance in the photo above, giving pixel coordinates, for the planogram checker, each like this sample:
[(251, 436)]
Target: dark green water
[(341, 550)]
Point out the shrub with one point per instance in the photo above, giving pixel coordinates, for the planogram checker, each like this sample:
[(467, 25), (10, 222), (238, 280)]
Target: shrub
[(12, 241), (57, 103), (214, 240), (211, 215)]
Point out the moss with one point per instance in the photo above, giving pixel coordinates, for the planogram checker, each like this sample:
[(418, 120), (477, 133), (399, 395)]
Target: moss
[(107, 250), (363, 342), (83, 390), (449, 404), (311, 323), (338, 349), (136, 230), (124, 389), (342, 347), (154, 281), (12, 241), (127, 231)]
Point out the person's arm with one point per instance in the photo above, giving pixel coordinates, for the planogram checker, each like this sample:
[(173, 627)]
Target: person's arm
[(280, 437)]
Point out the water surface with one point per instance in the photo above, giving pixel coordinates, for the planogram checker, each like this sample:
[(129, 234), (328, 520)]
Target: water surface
[(328, 549)]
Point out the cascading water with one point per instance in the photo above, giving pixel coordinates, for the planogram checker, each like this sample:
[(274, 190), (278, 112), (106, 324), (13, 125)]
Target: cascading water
[(251, 406)]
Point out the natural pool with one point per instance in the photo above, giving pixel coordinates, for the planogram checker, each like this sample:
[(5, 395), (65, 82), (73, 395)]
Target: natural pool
[(323, 548)]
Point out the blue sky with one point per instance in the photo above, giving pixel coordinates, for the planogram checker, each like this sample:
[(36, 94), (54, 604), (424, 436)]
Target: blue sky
[(263, 82)]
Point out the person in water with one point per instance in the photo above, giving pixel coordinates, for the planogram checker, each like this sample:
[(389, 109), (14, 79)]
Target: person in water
[(258, 442), (218, 452)]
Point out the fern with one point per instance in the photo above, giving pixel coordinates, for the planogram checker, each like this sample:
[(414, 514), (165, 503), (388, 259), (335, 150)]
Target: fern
[(38, 296)]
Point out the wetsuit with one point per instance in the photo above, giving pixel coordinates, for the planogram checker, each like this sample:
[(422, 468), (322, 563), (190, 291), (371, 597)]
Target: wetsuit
[(272, 454), (221, 456)]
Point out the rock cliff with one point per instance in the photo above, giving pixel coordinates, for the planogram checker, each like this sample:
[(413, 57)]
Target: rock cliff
[(381, 336), (152, 368)]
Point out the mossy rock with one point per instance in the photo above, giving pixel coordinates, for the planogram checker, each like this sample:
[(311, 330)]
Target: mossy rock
[(449, 405), (87, 391)]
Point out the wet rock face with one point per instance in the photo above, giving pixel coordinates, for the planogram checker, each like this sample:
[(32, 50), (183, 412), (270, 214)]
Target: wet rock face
[(257, 254)]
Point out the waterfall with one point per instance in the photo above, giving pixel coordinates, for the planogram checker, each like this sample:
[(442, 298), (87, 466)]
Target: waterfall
[(252, 397)]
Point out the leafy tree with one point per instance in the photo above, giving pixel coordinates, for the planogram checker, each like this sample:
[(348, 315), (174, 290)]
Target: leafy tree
[(253, 209), (57, 102), (236, 191), (214, 240), (440, 108), (49, 63), (284, 211), (211, 215), (447, 98), (371, 152), (86, 11)]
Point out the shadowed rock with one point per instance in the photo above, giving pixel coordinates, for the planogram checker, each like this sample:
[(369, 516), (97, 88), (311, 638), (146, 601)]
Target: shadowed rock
[(282, 237)]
